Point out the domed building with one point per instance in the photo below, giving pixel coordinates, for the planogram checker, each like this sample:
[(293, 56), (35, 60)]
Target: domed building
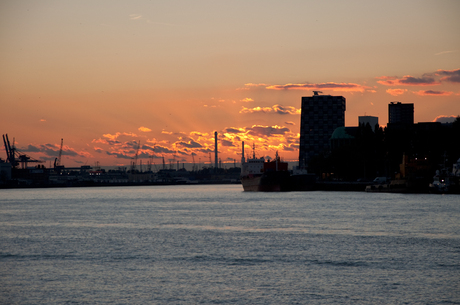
[(343, 136)]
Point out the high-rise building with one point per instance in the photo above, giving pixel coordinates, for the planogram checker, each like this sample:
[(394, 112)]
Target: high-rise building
[(400, 114), (321, 115), (367, 119)]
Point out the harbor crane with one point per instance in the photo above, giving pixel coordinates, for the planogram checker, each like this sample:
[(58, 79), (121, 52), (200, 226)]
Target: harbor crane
[(15, 157), (57, 161)]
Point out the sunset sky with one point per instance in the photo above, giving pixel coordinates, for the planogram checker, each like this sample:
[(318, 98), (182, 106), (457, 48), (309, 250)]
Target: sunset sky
[(105, 75)]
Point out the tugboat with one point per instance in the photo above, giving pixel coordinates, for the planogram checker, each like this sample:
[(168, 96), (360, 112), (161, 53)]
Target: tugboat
[(445, 182), (257, 175)]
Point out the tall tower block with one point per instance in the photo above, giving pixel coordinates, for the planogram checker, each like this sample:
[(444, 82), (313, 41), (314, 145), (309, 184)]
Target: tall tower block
[(321, 115), (400, 114)]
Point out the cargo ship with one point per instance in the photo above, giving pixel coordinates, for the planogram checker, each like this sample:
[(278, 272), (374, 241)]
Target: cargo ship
[(258, 175)]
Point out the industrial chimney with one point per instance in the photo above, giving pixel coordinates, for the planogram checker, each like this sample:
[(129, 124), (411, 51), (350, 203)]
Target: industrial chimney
[(215, 150), (242, 155)]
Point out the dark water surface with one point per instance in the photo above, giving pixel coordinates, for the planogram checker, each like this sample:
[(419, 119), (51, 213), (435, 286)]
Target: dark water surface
[(219, 245)]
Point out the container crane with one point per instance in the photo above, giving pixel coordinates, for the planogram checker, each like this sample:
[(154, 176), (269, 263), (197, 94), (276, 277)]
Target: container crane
[(12, 153), (57, 161)]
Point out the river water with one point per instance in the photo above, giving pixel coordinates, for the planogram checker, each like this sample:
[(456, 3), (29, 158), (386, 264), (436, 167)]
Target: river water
[(219, 245)]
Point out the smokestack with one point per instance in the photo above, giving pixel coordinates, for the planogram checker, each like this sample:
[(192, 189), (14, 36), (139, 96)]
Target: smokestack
[(215, 150), (242, 155)]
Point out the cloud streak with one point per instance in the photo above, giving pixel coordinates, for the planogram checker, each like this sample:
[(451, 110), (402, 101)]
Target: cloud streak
[(135, 16), (267, 131), (279, 109), (432, 93), (446, 52), (452, 76), (407, 80), (396, 92), (342, 87), (256, 110)]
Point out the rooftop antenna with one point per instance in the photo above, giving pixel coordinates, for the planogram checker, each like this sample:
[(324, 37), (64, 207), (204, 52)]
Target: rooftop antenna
[(317, 92)]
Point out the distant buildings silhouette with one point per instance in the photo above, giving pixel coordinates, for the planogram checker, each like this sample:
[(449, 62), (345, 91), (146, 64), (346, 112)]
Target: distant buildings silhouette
[(329, 148)]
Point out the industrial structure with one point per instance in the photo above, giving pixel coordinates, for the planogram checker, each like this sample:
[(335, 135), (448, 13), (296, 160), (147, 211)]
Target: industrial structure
[(216, 160), (15, 157)]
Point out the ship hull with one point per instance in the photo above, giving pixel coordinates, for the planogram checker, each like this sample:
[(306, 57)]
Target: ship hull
[(251, 183), (278, 181)]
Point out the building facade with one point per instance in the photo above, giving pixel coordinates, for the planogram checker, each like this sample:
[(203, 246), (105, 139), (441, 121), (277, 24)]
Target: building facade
[(367, 119), (321, 115), (400, 114)]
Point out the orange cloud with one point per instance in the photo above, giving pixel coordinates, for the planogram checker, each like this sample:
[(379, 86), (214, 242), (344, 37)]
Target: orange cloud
[(275, 108), (255, 110), (445, 118), (396, 92), (407, 80), (251, 85), (345, 87), (255, 85), (116, 135), (432, 93), (247, 100), (144, 129), (189, 144), (285, 109)]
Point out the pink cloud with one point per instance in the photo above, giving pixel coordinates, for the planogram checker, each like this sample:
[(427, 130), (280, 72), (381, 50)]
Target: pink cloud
[(452, 76)]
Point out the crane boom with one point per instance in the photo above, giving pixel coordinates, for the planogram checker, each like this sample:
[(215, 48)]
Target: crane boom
[(12, 152), (60, 152)]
